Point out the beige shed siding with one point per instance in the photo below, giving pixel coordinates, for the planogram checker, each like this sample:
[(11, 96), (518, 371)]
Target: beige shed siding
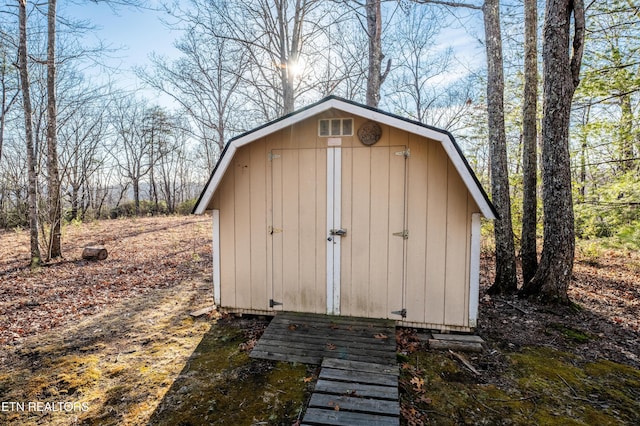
[(417, 248), (290, 266), (455, 311), (372, 210), (440, 207), (258, 210), (298, 241)]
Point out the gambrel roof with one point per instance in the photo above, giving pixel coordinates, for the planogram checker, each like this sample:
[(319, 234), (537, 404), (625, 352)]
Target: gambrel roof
[(445, 138)]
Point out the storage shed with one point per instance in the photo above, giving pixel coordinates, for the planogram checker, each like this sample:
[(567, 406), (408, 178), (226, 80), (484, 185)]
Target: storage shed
[(343, 209)]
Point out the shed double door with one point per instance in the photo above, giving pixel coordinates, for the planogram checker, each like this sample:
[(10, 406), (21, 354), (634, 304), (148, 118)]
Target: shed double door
[(338, 232)]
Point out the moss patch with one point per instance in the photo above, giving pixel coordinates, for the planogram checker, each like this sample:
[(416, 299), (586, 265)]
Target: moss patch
[(573, 334), (222, 385), (542, 386)]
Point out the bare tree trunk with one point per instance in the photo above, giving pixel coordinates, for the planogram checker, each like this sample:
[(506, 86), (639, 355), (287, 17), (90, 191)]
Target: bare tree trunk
[(528, 248), (288, 56), (626, 134), (55, 209), (6, 103), (561, 70), (31, 161), (375, 76), (583, 154), (505, 281), (136, 194)]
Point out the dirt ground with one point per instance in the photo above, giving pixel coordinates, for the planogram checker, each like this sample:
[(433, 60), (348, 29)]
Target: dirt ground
[(112, 342), (108, 337), (606, 292)]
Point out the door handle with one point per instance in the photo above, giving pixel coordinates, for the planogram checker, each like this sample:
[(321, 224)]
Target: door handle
[(340, 232)]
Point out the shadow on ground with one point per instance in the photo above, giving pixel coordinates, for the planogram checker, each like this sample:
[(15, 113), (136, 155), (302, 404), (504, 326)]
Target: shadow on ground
[(221, 385)]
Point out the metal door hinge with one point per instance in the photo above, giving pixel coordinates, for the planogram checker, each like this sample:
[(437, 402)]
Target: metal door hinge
[(402, 312), (406, 153), (404, 234), (273, 156), (273, 230), (273, 303)]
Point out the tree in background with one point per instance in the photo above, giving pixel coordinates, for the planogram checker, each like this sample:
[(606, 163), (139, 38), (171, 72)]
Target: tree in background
[(54, 196), (505, 280), (278, 38), (611, 78), (9, 88), (205, 80), (157, 127), (419, 86), (528, 244), (23, 66), (562, 58), (132, 149), (606, 126), (375, 75)]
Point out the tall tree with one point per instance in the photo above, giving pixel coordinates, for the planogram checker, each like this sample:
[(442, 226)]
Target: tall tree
[(561, 69), (132, 149), (375, 75), (205, 80), (528, 249), (276, 35), (505, 280), (55, 207), (9, 90), (23, 67), (157, 127), (419, 87), (82, 153)]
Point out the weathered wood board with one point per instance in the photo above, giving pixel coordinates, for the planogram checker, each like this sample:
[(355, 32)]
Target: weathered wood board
[(346, 418), (359, 377), (310, 338), (357, 389), (358, 382), (456, 342), (349, 403)]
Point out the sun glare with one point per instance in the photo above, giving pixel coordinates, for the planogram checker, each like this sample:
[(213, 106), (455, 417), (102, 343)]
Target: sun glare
[(296, 67)]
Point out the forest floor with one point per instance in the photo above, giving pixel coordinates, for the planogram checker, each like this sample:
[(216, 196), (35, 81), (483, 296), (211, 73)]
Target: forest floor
[(112, 342)]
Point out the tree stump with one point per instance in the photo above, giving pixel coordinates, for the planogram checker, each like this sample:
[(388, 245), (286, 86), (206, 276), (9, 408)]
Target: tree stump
[(94, 253)]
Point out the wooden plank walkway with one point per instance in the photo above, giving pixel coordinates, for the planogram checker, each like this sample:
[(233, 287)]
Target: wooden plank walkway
[(310, 338), (353, 393), (358, 380)]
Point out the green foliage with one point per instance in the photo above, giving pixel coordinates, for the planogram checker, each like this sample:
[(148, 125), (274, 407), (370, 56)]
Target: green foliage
[(612, 211), (590, 251), (186, 207)]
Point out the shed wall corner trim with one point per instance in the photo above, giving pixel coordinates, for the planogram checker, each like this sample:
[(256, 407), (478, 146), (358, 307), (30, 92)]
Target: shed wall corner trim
[(216, 257), (474, 270)]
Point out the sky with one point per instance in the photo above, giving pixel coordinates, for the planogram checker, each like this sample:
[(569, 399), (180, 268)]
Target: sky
[(133, 34)]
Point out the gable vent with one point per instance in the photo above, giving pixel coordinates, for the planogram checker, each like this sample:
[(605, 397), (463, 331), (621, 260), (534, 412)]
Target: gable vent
[(335, 127)]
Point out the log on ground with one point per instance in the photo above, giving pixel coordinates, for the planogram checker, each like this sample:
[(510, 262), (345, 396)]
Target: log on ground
[(94, 253)]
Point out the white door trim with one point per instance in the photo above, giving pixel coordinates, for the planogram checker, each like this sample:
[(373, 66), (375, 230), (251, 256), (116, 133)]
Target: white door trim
[(334, 214)]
